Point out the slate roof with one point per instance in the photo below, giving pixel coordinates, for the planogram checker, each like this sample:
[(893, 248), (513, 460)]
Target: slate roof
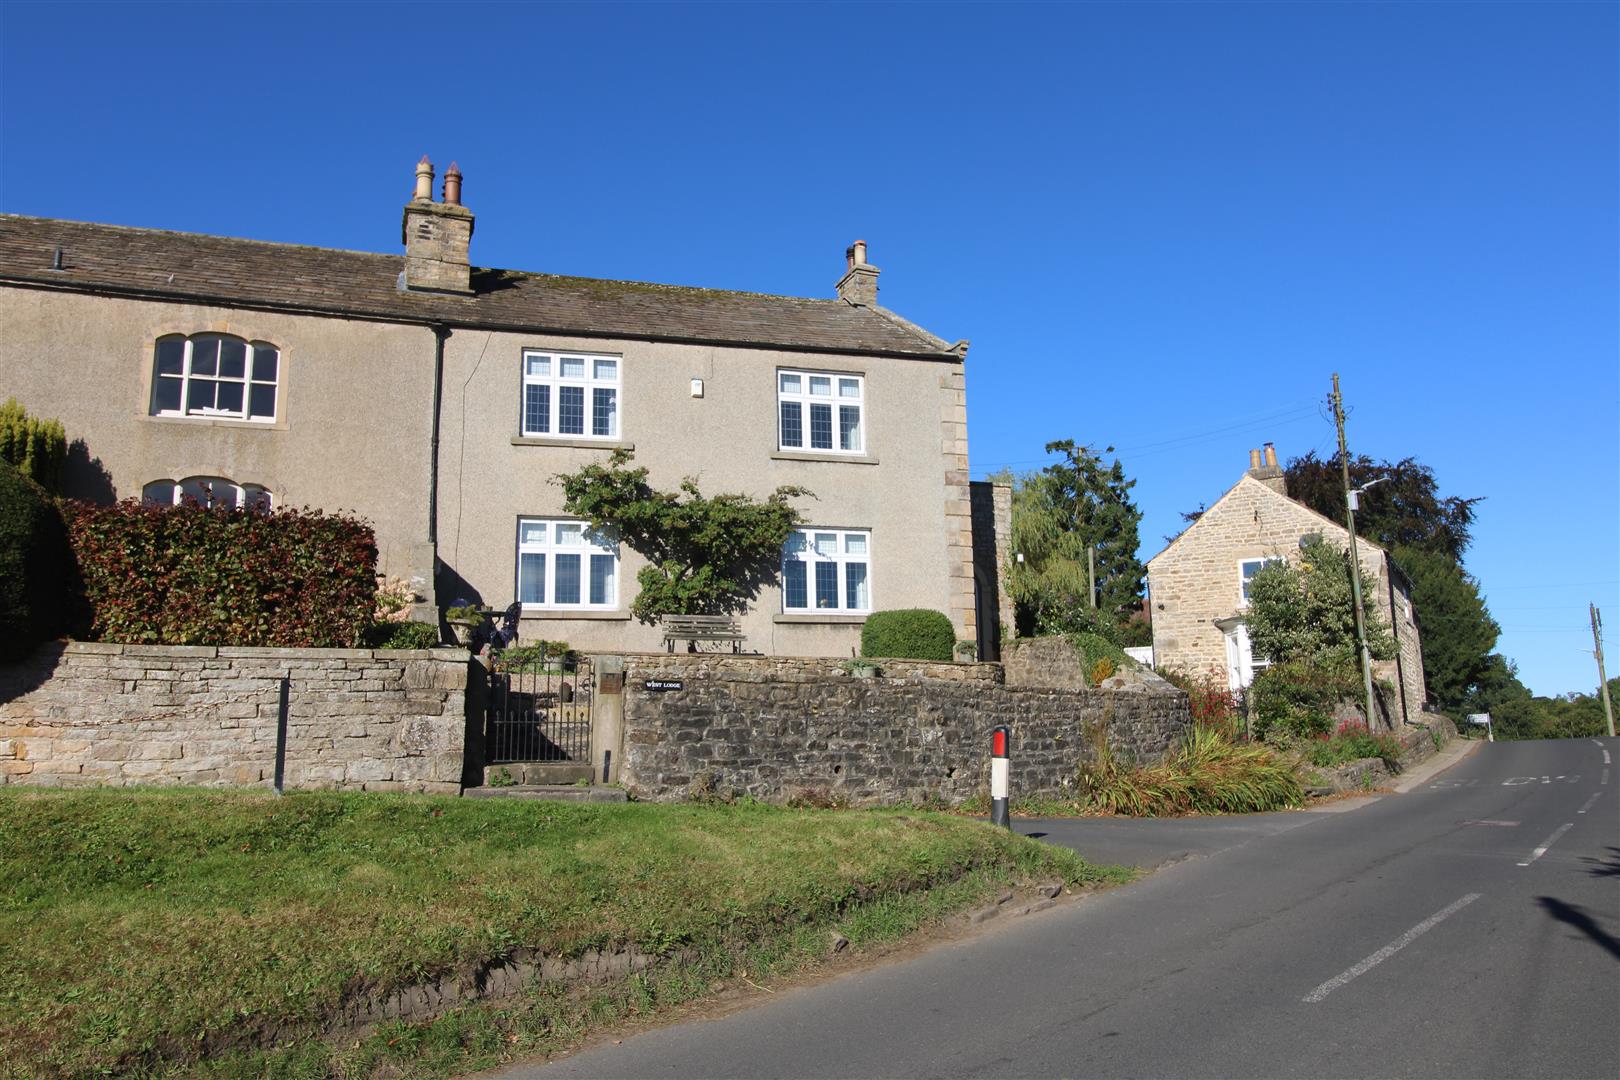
[(157, 264)]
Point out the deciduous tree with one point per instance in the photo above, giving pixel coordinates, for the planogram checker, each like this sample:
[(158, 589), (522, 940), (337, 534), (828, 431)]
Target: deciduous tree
[(706, 555), (1407, 511)]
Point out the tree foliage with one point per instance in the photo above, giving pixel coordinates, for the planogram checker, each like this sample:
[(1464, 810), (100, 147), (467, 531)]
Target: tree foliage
[(1516, 713), (1304, 609), (1407, 511), (34, 447), (706, 555), (1458, 631), (1073, 505)]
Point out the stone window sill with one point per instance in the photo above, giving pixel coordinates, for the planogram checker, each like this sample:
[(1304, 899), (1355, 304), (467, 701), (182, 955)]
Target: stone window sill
[(582, 444), (827, 620), (537, 615), (216, 422), (843, 459)]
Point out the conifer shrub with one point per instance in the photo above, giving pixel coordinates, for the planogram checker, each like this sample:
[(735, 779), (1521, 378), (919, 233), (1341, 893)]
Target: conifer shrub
[(908, 634), (34, 569), (196, 575), (33, 446)]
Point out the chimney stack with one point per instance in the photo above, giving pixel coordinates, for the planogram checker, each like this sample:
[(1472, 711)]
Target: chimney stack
[(437, 236), (1263, 467), (859, 283)]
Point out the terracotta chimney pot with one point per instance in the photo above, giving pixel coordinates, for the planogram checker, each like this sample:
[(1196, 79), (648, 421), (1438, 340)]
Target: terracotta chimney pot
[(452, 185)]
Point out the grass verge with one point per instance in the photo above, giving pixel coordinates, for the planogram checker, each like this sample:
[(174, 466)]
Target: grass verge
[(218, 934)]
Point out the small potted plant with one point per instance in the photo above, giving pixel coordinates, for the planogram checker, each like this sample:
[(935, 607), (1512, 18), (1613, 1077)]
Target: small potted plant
[(967, 652), (862, 668), (464, 619)]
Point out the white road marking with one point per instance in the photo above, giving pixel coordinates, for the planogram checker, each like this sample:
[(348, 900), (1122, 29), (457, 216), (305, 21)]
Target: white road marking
[(1595, 796), (1605, 776), (1551, 840), (1605, 753), (1391, 949), (1486, 821)]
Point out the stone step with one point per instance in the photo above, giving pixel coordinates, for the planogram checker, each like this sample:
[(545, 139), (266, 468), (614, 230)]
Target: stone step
[(531, 773), (557, 792)]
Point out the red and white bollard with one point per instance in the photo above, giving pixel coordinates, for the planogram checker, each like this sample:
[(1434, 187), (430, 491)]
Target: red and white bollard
[(999, 738)]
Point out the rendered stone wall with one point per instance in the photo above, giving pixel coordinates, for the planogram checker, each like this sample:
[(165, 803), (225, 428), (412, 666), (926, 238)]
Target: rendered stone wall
[(104, 714), (780, 728)]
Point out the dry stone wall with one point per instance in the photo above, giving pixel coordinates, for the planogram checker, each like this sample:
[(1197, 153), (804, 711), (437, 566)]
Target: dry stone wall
[(778, 729), (358, 719)]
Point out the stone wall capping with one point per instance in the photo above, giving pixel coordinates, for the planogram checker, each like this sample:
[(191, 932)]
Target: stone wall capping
[(163, 652), (93, 648)]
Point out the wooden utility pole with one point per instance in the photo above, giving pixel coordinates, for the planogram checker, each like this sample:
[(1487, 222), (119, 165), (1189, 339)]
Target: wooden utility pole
[(1091, 575), (1603, 679), (1355, 560)]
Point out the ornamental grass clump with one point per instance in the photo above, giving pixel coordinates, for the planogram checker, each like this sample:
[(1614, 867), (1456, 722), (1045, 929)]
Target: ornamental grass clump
[(1206, 774)]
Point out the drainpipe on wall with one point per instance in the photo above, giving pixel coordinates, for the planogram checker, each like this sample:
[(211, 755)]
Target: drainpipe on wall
[(441, 334)]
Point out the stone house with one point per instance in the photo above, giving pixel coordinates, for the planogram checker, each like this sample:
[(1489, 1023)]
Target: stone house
[(1198, 585), (438, 399)]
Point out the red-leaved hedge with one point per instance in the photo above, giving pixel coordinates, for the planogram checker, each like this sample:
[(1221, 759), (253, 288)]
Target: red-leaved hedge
[(192, 575)]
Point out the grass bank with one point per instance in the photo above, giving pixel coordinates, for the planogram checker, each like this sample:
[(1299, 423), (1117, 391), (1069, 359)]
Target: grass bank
[(148, 930)]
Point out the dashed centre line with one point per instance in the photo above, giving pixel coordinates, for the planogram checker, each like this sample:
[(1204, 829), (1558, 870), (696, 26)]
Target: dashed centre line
[(1391, 949), (1550, 841), (1596, 795)]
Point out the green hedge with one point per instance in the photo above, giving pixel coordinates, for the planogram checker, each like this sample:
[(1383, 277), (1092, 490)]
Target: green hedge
[(1296, 699), (910, 633), (34, 570), (194, 575), (402, 635)]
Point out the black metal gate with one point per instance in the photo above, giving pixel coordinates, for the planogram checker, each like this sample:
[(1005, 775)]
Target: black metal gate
[(538, 709)]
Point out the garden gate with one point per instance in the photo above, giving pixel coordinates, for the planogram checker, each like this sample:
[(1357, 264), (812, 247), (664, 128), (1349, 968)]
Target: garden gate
[(539, 709)]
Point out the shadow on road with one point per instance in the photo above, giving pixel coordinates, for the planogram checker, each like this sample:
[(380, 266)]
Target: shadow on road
[(1580, 920), (1605, 868)]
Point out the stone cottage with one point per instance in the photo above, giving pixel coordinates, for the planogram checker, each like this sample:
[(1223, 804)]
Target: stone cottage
[(439, 399), (1198, 585)]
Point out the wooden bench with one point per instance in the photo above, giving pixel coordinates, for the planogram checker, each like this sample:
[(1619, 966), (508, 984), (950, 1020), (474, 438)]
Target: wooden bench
[(695, 628)]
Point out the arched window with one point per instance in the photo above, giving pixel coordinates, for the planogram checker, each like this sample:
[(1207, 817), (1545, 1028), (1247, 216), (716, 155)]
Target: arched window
[(215, 375), (208, 491)]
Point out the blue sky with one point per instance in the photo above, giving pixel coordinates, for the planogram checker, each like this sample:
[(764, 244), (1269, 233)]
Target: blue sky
[(1163, 226)]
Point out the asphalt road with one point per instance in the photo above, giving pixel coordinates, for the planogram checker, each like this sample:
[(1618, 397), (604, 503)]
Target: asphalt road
[(1467, 928)]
